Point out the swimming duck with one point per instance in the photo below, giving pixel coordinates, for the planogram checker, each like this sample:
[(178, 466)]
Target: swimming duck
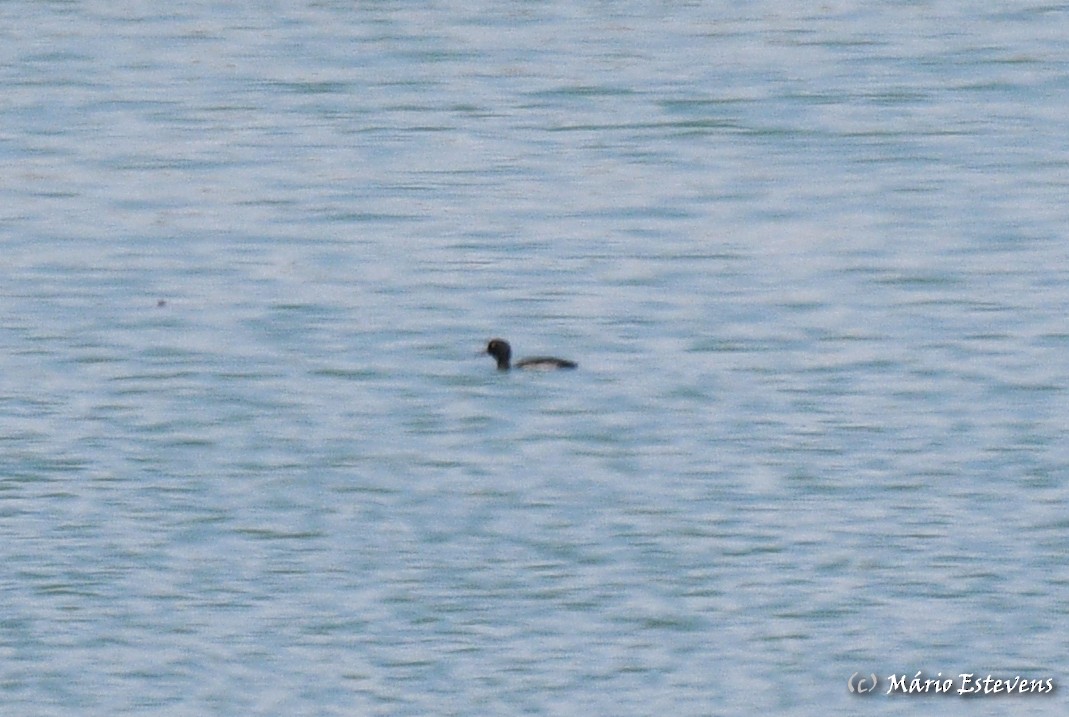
[(502, 352)]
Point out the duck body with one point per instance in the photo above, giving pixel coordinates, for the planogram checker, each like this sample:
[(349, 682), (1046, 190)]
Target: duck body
[(502, 353)]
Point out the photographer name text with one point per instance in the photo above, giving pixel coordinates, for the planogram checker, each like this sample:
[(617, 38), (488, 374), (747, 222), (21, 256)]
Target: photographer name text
[(963, 684)]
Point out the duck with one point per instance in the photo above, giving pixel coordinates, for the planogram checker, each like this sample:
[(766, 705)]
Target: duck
[(502, 352)]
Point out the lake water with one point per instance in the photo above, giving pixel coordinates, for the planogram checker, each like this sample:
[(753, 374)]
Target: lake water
[(813, 264)]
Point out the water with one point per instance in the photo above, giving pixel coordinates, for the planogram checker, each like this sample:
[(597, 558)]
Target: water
[(811, 262)]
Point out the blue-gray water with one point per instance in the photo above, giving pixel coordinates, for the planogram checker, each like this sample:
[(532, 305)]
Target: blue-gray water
[(812, 261)]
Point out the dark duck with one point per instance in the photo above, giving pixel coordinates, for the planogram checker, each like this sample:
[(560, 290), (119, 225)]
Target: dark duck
[(502, 353)]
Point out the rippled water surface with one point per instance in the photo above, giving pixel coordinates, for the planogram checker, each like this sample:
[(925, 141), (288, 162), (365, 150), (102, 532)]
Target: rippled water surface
[(812, 262)]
